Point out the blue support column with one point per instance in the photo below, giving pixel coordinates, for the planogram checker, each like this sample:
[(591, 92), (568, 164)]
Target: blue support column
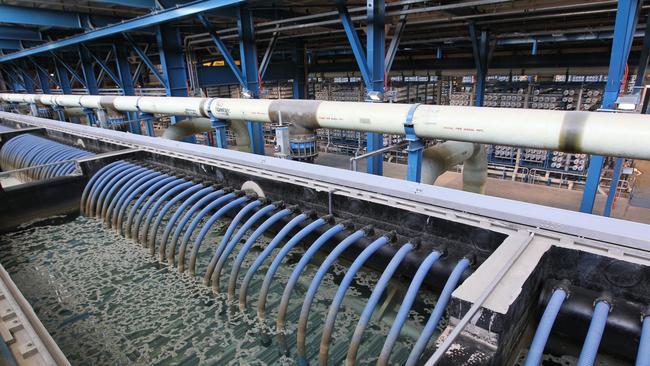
[(248, 55), (376, 69), (88, 71), (44, 81), (172, 62), (480, 49), (626, 18), (123, 69), (300, 71), (64, 82)]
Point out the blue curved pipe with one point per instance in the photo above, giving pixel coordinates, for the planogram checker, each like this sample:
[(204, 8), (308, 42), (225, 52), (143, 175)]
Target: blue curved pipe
[(153, 200), (197, 220), (91, 182), (270, 272), (295, 275), (373, 300), (536, 351), (176, 215), (438, 311), (227, 235), (109, 186), (328, 328), (594, 334), (204, 230), (99, 185), (643, 355), (151, 190), (402, 314), (111, 190), (155, 209), (243, 290), (313, 288), (181, 225), (153, 231), (221, 256), (234, 272), (139, 186), (115, 198)]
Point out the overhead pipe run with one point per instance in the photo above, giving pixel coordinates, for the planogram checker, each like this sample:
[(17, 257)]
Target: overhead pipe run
[(570, 131)]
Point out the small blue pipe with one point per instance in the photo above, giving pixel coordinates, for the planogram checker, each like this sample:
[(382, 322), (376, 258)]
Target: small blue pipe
[(171, 253), (91, 182), (101, 179), (594, 334), (135, 230), (121, 186), (227, 235), (536, 351), (176, 215), (113, 188), (243, 290), (270, 272), (155, 209), (402, 314), (118, 199), (643, 355), (101, 183), (295, 275), (197, 220), (138, 188), (234, 272), (221, 254), (313, 288), (109, 186), (438, 311), (151, 190), (153, 231), (214, 218), (335, 306), (373, 300)]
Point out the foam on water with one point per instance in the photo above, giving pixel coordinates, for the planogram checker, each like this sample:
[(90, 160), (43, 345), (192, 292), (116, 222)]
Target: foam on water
[(106, 301)]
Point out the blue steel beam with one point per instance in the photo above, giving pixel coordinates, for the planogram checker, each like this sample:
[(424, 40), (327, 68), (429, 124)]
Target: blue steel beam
[(353, 38), (40, 17), (268, 54), (61, 62), (123, 69), (248, 56), (20, 34), (227, 57), (88, 70), (148, 4), (480, 50), (394, 42), (146, 60), (43, 70), (376, 70), (300, 75), (624, 29), (10, 44), (44, 80), (172, 60), (149, 20), (103, 66)]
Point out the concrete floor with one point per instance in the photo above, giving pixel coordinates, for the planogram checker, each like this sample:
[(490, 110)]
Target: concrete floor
[(538, 194)]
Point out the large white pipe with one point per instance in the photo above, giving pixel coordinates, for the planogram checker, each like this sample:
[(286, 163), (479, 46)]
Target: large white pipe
[(612, 134), (438, 159)]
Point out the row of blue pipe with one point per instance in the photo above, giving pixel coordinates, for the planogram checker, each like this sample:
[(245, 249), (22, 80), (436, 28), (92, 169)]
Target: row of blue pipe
[(26, 150), (594, 333), (134, 199)]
